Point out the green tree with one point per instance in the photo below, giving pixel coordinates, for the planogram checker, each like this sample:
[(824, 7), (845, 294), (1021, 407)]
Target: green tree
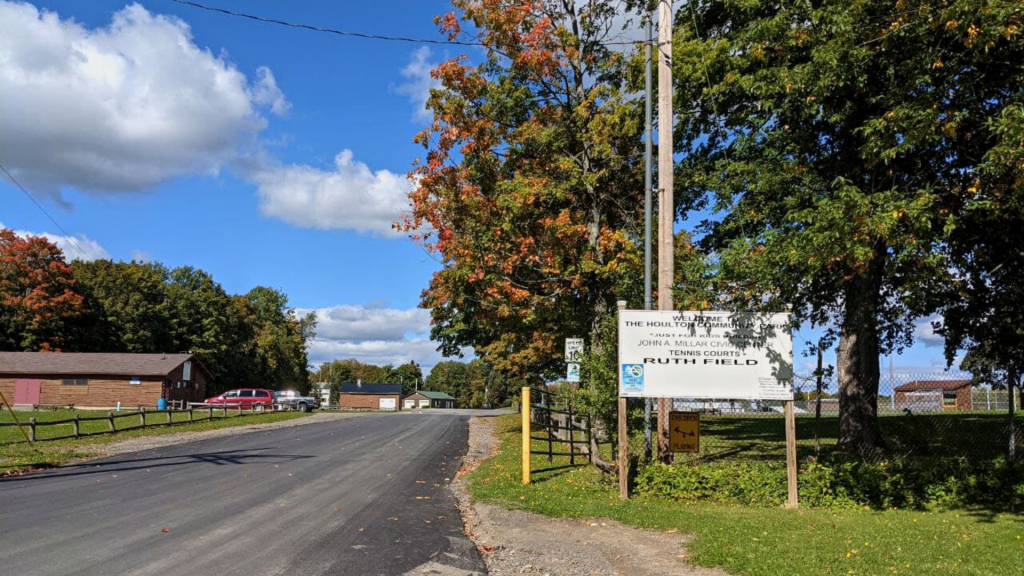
[(280, 338), (200, 318), (409, 376), (128, 304), (531, 188), (838, 140), (459, 379)]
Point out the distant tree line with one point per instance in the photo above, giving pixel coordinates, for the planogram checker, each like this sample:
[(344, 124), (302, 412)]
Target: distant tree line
[(473, 384), (48, 304)]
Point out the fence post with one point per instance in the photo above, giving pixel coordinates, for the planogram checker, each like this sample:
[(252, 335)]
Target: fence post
[(211, 412), (75, 425), (525, 408), (572, 438), (32, 429), (623, 451), (589, 436), (169, 416), (791, 470), (190, 415), (142, 416), (110, 422)]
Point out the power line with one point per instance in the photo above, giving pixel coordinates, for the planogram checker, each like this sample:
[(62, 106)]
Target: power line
[(70, 238), (363, 35), (350, 34)]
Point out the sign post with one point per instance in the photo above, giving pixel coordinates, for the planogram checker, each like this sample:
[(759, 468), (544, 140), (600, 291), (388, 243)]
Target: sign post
[(623, 431)]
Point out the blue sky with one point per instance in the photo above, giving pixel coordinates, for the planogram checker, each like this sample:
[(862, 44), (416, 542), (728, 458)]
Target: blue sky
[(263, 154)]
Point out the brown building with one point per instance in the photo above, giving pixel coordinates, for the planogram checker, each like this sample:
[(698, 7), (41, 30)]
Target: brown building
[(100, 380), (427, 399), (358, 396), (934, 395)]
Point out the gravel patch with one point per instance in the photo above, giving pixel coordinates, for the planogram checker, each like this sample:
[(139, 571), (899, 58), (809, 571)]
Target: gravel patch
[(514, 542), (149, 442)]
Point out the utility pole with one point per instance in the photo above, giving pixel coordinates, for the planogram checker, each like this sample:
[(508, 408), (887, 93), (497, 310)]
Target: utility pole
[(648, 189), (666, 202)]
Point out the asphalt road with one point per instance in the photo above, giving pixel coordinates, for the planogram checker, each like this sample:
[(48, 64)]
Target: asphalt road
[(364, 496)]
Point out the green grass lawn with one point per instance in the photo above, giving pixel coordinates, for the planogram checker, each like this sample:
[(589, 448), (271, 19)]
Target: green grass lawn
[(766, 541), (975, 435), (17, 455)]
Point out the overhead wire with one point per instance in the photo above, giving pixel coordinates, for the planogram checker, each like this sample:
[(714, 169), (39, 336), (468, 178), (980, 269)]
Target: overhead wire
[(353, 34), (29, 195)]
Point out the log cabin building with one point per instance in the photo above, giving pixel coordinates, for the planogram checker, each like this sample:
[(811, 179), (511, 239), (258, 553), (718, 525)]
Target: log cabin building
[(87, 380)]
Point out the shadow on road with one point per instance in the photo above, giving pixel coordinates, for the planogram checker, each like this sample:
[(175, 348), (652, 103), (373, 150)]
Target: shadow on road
[(220, 458)]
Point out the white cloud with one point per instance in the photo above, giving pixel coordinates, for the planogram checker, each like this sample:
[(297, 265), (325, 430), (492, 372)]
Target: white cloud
[(122, 107), (925, 333), (266, 92), (417, 83), (79, 247), (352, 323), (350, 195), (421, 350), (374, 334)]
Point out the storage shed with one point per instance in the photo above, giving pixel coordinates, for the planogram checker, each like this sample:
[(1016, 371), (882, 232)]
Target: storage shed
[(427, 399), (88, 380), (934, 395), (359, 396)]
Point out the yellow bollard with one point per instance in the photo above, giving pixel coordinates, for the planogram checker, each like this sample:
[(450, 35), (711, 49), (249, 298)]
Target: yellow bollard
[(525, 408)]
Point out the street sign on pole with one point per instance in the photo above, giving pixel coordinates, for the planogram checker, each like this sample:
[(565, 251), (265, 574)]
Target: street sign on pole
[(573, 349), (573, 373), (684, 432)]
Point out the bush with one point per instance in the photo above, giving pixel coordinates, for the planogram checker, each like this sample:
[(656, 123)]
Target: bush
[(903, 483)]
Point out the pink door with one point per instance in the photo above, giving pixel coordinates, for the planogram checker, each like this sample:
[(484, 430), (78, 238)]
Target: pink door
[(26, 391)]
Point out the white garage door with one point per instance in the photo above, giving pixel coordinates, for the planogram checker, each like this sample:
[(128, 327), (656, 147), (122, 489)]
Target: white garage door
[(424, 403), (388, 404), (408, 404)]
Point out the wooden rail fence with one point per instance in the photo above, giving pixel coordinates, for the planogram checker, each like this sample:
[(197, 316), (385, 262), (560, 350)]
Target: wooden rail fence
[(205, 412)]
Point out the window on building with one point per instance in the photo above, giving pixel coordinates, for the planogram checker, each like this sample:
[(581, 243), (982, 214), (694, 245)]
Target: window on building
[(949, 398), (76, 382)]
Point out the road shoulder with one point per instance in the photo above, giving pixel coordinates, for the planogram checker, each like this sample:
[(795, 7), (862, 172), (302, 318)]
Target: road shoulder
[(519, 542)]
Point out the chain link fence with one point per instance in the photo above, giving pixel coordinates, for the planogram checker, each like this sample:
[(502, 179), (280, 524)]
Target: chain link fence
[(920, 415)]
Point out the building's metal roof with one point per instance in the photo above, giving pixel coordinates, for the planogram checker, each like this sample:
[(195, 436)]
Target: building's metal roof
[(922, 385), (436, 395), (85, 364)]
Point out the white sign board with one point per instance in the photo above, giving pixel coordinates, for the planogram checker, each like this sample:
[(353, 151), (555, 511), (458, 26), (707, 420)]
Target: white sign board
[(573, 373), (573, 349), (705, 355)]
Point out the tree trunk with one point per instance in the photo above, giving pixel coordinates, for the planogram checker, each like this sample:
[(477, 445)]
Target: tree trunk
[(857, 362)]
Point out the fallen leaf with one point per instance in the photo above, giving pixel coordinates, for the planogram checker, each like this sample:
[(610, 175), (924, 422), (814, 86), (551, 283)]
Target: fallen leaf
[(165, 530)]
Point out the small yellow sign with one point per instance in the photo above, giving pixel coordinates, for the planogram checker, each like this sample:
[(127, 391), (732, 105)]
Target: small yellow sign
[(684, 432)]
